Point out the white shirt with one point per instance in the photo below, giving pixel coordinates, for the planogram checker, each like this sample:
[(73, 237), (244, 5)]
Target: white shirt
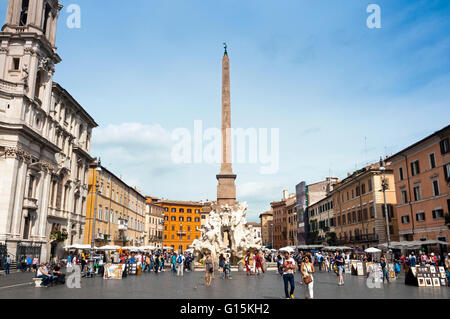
[(289, 261)]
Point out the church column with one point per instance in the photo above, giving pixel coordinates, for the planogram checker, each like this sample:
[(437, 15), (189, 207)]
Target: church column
[(3, 56), (39, 21), (33, 69), (21, 183), (47, 99)]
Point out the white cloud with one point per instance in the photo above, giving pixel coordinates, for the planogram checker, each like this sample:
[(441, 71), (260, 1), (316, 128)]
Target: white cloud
[(134, 133)]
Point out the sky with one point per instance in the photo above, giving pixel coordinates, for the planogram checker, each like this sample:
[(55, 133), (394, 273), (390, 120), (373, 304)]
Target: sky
[(340, 93)]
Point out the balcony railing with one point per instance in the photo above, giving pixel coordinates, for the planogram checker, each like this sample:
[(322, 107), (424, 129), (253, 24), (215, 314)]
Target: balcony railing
[(359, 239)]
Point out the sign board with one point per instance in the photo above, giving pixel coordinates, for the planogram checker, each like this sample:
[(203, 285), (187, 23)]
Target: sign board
[(113, 271)]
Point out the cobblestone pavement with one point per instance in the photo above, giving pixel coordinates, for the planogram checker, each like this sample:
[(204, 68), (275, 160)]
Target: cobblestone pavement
[(167, 285)]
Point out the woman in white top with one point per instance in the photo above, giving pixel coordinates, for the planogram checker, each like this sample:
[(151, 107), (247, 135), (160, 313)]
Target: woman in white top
[(307, 271)]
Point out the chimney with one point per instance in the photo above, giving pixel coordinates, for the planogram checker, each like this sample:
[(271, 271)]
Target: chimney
[(285, 194)]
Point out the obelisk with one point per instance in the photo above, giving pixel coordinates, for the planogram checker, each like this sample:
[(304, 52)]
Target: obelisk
[(226, 189)]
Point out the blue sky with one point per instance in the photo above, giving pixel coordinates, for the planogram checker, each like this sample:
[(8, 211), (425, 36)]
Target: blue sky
[(310, 68)]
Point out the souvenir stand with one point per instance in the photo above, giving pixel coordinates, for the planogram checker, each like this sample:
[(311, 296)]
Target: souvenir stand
[(426, 276)]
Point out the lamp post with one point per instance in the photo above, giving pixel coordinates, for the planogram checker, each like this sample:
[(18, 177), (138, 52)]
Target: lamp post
[(162, 222), (181, 234), (271, 230), (91, 257), (384, 186)]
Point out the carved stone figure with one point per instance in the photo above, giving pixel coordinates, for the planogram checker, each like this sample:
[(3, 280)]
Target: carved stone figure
[(231, 221)]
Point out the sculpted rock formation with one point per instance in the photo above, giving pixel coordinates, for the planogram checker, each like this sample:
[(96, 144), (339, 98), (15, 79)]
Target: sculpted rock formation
[(226, 231)]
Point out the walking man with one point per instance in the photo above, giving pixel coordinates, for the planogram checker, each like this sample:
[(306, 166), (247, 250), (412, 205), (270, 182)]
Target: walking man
[(288, 275)]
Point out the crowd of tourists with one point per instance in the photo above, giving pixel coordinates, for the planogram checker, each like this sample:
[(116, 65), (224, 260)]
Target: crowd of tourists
[(303, 263)]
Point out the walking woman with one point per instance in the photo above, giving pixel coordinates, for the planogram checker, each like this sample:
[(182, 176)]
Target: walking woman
[(209, 269), (307, 271)]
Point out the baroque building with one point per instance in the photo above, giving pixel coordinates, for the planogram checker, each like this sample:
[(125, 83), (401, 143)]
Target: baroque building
[(44, 138)]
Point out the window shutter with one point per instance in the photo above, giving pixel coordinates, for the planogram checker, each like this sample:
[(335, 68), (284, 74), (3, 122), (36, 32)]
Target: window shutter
[(412, 169)]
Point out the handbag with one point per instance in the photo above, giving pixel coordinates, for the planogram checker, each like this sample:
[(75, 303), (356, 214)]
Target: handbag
[(307, 280)]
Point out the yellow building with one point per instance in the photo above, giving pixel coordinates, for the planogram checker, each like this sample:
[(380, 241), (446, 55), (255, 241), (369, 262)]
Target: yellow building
[(182, 223), (356, 208), (120, 213)]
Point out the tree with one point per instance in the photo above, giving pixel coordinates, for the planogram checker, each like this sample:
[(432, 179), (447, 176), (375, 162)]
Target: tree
[(312, 237), (331, 238)]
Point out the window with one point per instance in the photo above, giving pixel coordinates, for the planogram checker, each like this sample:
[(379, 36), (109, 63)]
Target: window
[(16, 64), (415, 169), (189, 219), (436, 188), (447, 172), (203, 216), (445, 147), (417, 193), (173, 218), (173, 210), (181, 219), (369, 184), (363, 189), (358, 191), (173, 228), (432, 161), (197, 219), (400, 173), (166, 209), (404, 197), (405, 219), (24, 13), (197, 211), (189, 210), (181, 210), (420, 217), (372, 212), (438, 213)]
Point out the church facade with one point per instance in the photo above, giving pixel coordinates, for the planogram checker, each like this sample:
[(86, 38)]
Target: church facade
[(45, 138)]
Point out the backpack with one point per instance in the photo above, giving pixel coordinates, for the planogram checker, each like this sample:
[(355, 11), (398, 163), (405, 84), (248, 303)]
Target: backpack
[(179, 259)]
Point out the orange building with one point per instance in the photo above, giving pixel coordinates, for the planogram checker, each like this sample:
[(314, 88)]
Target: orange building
[(182, 223), (422, 182)]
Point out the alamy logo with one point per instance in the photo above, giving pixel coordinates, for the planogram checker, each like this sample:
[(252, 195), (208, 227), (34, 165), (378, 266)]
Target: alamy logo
[(73, 279), (374, 280), (374, 19)]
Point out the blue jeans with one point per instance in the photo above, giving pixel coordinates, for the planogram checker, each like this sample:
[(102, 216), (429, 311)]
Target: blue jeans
[(385, 274), (225, 270), (7, 269), (289, 279), (45, 281)]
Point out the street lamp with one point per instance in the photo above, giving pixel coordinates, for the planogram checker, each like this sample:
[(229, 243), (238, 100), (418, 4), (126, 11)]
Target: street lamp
[(91, 257), (384, 185), (181, 234)]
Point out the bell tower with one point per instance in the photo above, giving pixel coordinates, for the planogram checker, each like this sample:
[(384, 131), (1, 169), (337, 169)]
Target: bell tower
[(27, 49)]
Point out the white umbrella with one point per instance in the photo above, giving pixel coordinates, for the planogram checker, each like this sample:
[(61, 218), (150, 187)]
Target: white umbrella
[(168, 248), (373, 250), (109, 247), (288, 249)]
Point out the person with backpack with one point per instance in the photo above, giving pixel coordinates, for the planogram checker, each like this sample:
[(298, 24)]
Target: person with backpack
[(180, 264)]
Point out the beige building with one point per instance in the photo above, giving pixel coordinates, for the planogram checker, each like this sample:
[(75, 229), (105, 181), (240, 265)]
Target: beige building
[(44, 138), (120, 214), (266, 219), (255, 230), (358, 208), (154, 223), (321, 217)]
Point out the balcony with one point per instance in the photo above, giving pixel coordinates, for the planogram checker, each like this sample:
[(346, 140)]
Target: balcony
[(358, 239), (30, 203), (123, 227)]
